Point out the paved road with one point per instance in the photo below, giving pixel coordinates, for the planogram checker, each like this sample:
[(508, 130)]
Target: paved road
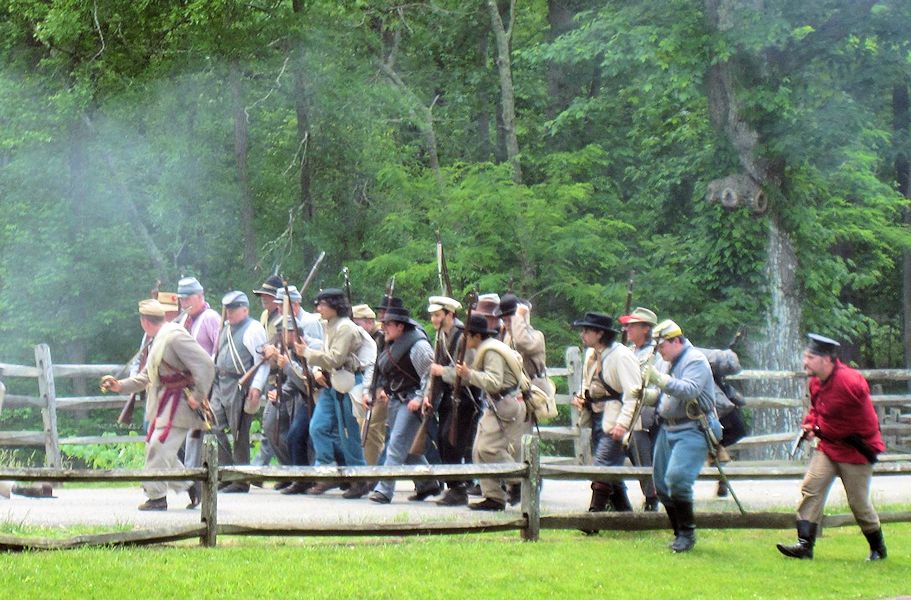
[(117, 506)]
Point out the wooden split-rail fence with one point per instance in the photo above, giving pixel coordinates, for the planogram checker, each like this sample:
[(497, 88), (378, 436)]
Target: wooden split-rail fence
[(529, 521), (894, 409)]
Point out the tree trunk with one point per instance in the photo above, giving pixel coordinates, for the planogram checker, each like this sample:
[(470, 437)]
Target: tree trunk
[(779, 345), (241, 142), (502, 35), (560, 19), (901, 129), (302, 110), (482, 120)]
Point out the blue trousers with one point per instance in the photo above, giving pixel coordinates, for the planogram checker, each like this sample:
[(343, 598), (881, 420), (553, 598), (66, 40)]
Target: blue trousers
[(610, 453), (333, 429), (679, 455), (299, 434), (403, 424)]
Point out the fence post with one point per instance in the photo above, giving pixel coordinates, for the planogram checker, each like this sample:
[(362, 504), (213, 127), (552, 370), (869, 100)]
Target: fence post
[(582, 449), (209, 508), (48, 393), (531, 488)]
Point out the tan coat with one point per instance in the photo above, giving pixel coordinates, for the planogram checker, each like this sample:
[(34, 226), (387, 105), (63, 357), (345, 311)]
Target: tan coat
[(173, 350)]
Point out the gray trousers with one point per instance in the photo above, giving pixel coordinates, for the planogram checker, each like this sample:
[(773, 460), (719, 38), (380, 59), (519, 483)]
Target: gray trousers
[(499, 440), (818, 481), (239, 452), (403, 425), (163, 455)]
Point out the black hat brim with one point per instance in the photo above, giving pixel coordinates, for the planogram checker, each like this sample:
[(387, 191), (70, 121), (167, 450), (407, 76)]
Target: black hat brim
[(590, 325)]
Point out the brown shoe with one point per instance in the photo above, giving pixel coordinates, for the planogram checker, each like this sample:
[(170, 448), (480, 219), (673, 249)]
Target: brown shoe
[(356, 490), (296, 487), (156, 504), (421, 495), (321, 488), (488, 504), (453, 497)]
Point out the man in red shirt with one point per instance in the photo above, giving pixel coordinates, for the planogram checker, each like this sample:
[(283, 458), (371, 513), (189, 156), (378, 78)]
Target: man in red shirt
[(843, 420)]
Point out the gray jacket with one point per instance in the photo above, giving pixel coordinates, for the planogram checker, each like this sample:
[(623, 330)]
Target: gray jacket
[(691, 377)]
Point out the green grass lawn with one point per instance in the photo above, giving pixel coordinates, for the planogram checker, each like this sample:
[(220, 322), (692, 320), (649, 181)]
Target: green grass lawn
[(725, 564)]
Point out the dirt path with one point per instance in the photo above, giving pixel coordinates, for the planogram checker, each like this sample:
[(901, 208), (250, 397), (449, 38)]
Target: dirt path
[(117, 506)]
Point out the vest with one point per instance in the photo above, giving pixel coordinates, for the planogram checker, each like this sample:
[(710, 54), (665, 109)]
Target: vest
[(395, 364)]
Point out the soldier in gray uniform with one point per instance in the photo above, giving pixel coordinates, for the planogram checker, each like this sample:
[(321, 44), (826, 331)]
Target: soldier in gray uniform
[(239, 349)]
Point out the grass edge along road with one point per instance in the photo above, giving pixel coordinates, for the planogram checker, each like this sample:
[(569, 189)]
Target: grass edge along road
[(725, 563)]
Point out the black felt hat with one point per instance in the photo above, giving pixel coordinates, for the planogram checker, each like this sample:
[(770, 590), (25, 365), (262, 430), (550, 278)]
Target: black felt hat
[(478, 324), (270, 286), (593, 320), (399, 315), (386, 303)]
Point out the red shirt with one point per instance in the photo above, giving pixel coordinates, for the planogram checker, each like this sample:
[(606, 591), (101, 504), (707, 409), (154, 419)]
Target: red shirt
[(841, 406)]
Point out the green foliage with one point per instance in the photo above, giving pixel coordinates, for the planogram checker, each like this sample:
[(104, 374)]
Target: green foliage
[(118, 161), (105, 456)]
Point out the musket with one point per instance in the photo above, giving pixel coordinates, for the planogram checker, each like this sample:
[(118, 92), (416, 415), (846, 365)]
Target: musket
[(629, 304), (419, 444), (374, 381), (312, 274), (303, 359), (470, 301), (713, 444), (126, 415), (640, 401), (442, 269)]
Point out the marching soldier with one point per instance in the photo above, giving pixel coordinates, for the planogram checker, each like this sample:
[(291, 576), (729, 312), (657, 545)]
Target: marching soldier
[(239, 350), (638, 326), (614, 381), (503, 420), (177, 364), (335, 370), (687, 392), (465, 419), (403, 368)]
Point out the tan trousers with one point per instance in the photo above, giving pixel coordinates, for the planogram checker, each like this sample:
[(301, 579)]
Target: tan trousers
[(376, 436), (818, 481), (163, 455), (499, 440)]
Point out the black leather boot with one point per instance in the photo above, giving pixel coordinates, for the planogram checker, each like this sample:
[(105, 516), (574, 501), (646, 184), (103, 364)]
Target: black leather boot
[(600, 497), (877, 545), (686, 527), (806, 538), (619, 501)]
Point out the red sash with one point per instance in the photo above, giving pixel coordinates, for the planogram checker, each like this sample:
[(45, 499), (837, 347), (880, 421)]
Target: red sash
[(173, 385)]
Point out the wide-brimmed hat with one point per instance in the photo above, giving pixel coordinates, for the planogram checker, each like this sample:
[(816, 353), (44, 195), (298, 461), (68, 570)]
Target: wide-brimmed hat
[(362, 311), (508, 305), (151, 308), (188, 286), (593, 320), (822, 345), (387, 303), (169, 300), (270, 286), (477, 324), (398, 315), (639, 315), (235, 299), (488, 305)]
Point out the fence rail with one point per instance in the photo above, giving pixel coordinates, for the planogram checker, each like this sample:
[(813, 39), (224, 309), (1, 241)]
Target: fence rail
[(529, 522)]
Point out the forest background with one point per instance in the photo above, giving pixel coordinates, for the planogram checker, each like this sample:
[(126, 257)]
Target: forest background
[(557, 145)]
